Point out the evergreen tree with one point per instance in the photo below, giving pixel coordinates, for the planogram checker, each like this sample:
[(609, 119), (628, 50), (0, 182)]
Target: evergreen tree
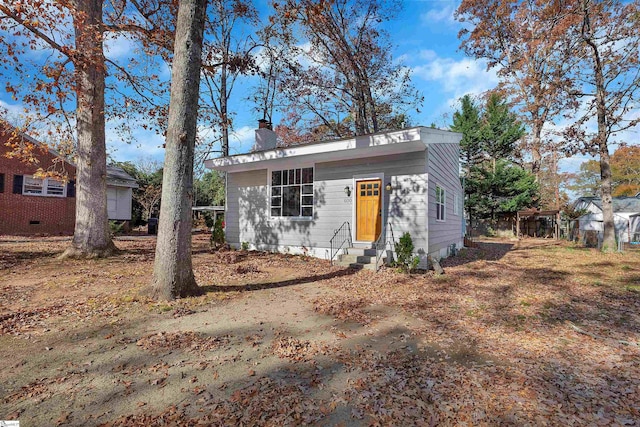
[(467, 122), (500, 130), (508, 189), (513, 189), (210, 189), (493, 183)]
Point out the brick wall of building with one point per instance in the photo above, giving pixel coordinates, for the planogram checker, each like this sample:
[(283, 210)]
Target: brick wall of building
[(32, 214)]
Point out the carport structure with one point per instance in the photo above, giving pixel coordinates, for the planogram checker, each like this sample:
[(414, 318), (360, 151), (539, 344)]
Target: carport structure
[(537, 223)]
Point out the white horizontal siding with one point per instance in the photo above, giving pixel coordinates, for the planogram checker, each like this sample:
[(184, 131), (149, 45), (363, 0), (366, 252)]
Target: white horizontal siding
[(119, 203), (443, 170), (248, 217), (246, 211), (404, 207)]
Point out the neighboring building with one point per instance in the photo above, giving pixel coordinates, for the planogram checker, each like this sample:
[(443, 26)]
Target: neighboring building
[(120, 187), (30, 205), (295, 198), (626, 215)]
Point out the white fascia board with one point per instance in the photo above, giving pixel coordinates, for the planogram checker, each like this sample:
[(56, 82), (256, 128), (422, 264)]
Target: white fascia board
[(439, 136), (291, 161), (404, 141), (127, 184)]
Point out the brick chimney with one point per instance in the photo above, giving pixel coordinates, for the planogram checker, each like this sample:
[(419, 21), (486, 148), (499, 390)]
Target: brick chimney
[(264, 124)]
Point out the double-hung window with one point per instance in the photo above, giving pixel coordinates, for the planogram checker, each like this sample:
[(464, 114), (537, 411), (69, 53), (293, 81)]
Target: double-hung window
[(440, 203), (292, 193), (43, 187)]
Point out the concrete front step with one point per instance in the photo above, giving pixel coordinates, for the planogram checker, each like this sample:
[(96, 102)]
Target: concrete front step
[(357, 265), (361, 251), (358, 258)]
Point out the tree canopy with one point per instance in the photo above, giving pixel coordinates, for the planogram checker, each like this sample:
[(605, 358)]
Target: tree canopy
[(339, 78), (494, 184), (576, 61), (625, 174)]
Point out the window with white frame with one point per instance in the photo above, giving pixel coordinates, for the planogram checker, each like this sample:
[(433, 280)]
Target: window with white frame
[(440, 203), (456, 204), (43, 187), (292, 193)]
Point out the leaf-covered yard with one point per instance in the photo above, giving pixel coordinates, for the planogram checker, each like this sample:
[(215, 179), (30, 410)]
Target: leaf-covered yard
[(522, 333)]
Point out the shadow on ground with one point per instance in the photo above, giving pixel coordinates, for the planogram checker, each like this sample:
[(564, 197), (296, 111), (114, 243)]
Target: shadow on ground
[(283, 283)]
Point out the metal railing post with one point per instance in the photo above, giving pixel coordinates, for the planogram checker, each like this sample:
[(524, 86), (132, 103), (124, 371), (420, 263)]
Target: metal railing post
[(340, 236)]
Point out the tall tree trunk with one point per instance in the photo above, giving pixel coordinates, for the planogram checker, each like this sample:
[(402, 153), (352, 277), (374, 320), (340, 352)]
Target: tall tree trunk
[(536, 151), (173, 272), (224, 115), (608, 225), (556, 179), (91, 237), (609, 231), (371, 103)]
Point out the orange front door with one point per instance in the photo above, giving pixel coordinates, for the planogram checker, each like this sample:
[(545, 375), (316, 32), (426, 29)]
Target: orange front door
[(368, 210)]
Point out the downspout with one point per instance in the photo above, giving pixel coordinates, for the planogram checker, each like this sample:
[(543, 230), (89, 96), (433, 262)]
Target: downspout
[(427, 193), (462, 208), (226, 203)]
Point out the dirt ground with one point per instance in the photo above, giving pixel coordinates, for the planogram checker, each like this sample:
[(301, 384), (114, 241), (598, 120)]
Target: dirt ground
[(535, 332)]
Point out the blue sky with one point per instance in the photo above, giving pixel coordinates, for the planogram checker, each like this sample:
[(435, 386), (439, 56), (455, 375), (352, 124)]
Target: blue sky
[(425, 39)]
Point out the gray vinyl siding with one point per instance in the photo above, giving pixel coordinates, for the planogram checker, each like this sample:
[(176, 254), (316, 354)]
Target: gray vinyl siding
[(404, 207), (443, 168), (248, 220), (246, 200)]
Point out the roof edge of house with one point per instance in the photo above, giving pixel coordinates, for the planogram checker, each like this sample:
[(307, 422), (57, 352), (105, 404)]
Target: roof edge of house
[(408, 135)]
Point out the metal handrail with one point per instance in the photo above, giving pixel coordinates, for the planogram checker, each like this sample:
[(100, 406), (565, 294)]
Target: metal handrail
[(341, 236), (380, 245)]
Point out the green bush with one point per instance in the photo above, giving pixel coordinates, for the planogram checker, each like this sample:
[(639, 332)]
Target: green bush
[(407, 261), (208, 220), (217, 233), (245, 246), (115, 227)]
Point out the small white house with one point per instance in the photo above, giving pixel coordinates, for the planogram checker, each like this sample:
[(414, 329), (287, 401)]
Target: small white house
[(296, 199), (626, 216), (120, 187)]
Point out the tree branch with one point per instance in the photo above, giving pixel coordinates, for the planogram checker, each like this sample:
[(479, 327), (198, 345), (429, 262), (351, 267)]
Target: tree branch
[(36, 32)]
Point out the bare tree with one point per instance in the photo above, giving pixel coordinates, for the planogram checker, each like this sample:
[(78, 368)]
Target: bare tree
[(608, 74), (343, 78), (226, 58), (65, 90)]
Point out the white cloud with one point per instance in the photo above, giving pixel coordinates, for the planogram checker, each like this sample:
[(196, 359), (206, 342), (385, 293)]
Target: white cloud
[(427, 55), (241, 140), (572, 164), (444, 80), (456, 77), (443, 15), (118, 46), (145, 143), (13, 111)]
